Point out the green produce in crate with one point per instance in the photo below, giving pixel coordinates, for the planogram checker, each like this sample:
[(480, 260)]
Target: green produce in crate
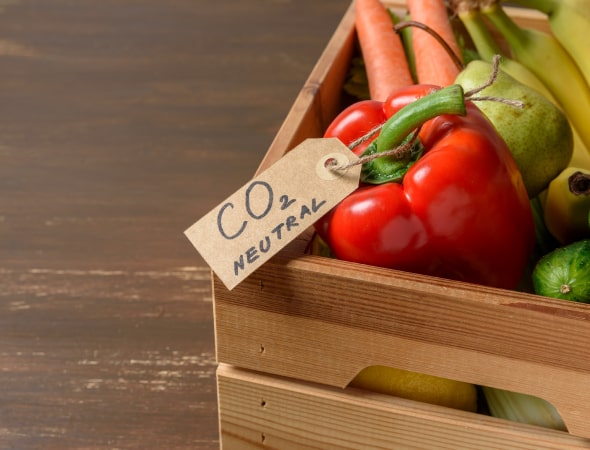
[(538, 135), (522, 408), (565, 273)]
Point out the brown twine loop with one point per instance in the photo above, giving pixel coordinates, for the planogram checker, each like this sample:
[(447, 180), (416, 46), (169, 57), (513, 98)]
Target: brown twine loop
[(401, 150), (398, 151), (366, 137), (470, 95)]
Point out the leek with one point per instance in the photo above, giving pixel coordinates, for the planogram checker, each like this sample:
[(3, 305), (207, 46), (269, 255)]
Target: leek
[(522, 408)]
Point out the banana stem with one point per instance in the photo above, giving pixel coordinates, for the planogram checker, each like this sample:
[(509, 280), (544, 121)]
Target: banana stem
[(484, 42), (545, 6), (514, 34), (484, 4), (488, 48)]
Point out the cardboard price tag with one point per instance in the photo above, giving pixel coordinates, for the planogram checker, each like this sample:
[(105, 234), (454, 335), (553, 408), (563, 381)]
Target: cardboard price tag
[(262, 217)]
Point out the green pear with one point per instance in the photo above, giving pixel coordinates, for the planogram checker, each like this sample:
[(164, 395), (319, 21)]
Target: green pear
[(538, 135)]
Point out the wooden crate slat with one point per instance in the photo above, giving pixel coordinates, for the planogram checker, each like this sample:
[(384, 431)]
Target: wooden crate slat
[(262, 411), (297, 318)]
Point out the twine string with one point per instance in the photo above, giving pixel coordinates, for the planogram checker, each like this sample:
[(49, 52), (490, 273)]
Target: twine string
[(399, 152), (402, 149)]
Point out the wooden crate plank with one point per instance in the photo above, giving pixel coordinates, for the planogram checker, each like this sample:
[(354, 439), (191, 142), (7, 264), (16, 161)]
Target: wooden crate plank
[(322, 320), (262, 411)]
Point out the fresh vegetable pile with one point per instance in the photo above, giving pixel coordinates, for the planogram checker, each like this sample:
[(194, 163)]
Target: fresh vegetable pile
[(474, 148)]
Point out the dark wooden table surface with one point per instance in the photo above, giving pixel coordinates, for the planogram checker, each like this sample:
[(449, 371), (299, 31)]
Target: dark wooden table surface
[(121, 123)]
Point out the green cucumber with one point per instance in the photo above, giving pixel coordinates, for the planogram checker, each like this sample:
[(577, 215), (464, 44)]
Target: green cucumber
[(565, 273)]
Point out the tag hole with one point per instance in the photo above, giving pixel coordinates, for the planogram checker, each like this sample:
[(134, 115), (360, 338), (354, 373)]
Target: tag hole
[(263, 403), (261, 349), (331, 167), (330, 162)]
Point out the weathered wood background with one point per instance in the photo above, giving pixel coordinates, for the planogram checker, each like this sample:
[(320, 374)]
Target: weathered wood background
[(121, 123)]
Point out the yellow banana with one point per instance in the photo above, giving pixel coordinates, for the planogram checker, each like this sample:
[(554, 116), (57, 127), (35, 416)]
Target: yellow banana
[(567, 205), (487, 48), (581, 156), (543, 55), (569, 20)]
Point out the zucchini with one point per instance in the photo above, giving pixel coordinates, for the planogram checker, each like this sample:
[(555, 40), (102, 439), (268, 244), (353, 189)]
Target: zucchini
[(565, 273)]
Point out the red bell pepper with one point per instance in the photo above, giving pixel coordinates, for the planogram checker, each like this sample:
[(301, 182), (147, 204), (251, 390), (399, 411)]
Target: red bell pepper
[(356, 121), (461, 211)]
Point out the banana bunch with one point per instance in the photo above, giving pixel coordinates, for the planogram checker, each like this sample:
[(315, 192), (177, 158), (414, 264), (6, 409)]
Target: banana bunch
[(557, 64), (487, 47), (568, 20), (548, 58)]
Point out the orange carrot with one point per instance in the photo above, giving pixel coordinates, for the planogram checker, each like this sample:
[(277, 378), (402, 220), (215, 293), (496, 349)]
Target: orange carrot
[(382, 49), (433, 63)]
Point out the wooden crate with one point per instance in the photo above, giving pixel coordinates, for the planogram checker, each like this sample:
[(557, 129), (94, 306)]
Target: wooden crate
[(291, 337)]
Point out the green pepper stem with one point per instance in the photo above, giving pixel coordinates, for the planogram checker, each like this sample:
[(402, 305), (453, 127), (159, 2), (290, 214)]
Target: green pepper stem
[(448, 100)]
